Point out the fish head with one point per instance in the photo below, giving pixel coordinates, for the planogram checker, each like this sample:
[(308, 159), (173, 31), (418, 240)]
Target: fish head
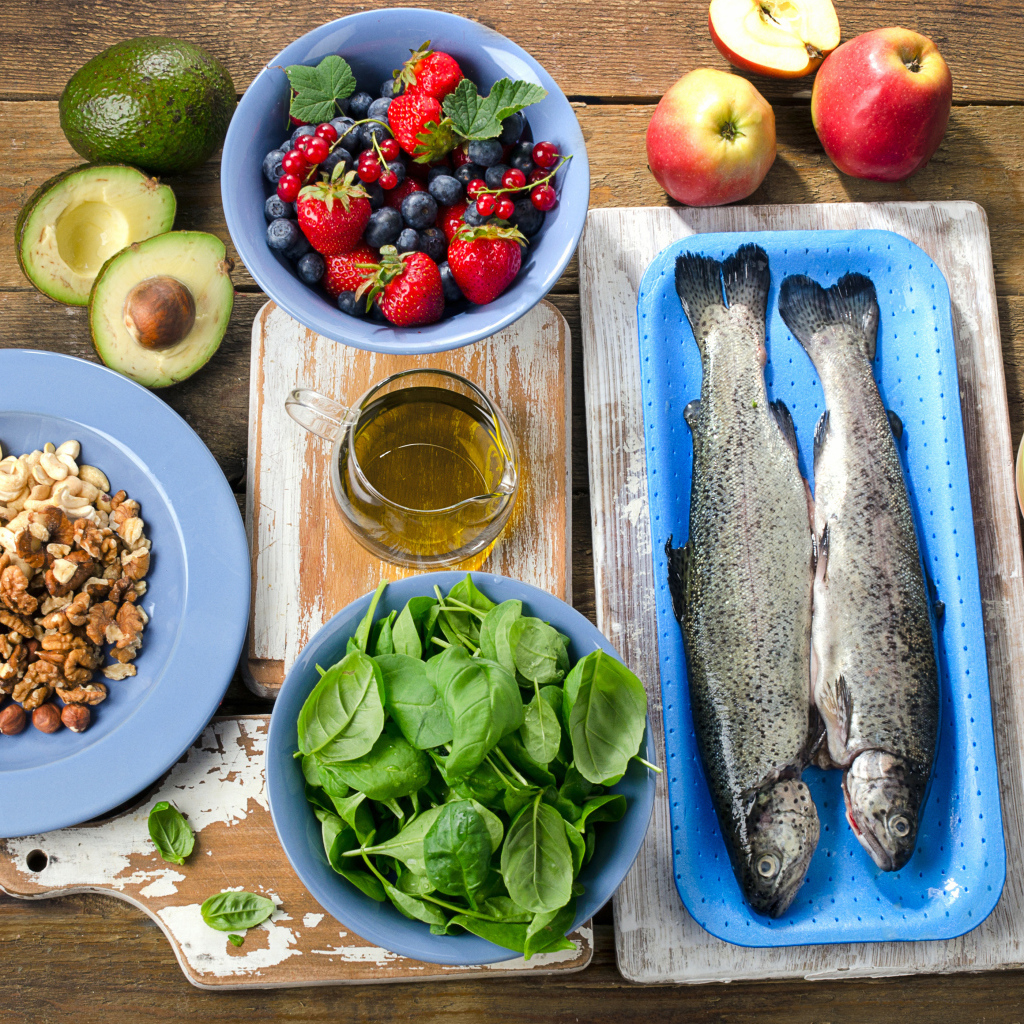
[(882, 798), (782, 833)]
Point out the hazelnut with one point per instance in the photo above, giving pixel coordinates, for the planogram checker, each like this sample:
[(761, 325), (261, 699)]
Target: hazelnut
[(76, 717), (159, 312), (46, 718), (12, 720)]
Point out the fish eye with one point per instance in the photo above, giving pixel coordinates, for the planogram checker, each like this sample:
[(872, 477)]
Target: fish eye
[(899, 826), (768, 865)]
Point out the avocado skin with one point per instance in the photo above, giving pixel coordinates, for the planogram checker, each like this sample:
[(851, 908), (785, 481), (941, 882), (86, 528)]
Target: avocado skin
[(157, 103)]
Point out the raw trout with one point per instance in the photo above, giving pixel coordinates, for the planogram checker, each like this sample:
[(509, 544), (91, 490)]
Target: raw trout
[(741, 586), (875, 678)]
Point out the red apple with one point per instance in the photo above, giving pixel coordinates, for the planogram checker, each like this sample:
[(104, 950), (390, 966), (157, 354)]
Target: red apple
[(711, 139), (786, 40), (881, 103)]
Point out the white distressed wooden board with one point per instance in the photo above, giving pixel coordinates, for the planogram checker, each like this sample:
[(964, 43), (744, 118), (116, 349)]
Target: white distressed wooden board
[(656, 939)]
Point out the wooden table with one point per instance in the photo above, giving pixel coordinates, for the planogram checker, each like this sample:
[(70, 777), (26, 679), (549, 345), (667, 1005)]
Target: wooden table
[(88, 958)]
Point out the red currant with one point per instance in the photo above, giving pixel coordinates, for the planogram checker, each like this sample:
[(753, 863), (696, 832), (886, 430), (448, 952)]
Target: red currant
[(545, 154), (327, 131), (538, 175), (475, 187), (388, 180), (505, 208), (288, 187), (513, 178), (369, 171), (295, 162), (302, 142), (543, 197), (317, 149), (390, 149), (486, 205)]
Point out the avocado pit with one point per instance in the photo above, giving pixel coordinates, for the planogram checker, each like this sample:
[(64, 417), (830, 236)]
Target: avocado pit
[(159, 313)]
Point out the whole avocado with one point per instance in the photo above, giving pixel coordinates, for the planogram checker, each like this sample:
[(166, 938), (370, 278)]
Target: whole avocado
[(156, 103)]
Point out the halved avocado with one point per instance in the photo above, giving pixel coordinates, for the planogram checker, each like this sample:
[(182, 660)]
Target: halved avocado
[(77, 220), (159, 309)]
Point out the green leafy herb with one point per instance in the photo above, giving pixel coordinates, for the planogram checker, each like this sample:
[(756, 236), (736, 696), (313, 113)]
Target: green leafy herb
[(170, 832), (318, 90), (413, 702), (536, 862), (541, 731), (236, 911), (457, 849), (477, 117), (392, 768), (236, 940), (538, 651)]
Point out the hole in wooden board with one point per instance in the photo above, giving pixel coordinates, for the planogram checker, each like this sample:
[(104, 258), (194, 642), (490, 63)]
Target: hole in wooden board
[(36, 860)]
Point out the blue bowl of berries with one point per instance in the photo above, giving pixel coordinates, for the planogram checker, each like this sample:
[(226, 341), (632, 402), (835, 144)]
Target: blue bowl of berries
[(400, 195)]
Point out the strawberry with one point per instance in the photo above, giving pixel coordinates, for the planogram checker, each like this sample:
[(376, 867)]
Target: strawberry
[(419, 124), (430, 73), (343, 273), (395, 197), (333, 214), (449, 218), (484, 260), (407, 288)]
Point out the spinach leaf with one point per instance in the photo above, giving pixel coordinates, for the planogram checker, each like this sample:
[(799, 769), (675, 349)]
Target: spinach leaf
[(343, 716), (236, 911), (511, 935), (510, 610), (355, 812), (539, 774), (591, 841), (338, 840), (546, 932), (457, 849), (576, 788), (503, 646), (577, 847), (566, 808), (541, 731), (606, 723), (318, 798), (385, 641), (483, 784), (536, 861), (413, 884), (417, 910), (362, 634), (236, 940), (517, 798), (495, 829), (504, 908), (413, 701), (465, 623), (334, 785), (392, 767), (538, 651), (171, 833), (609, 807), (407, 846), (310, 770), (414, 626)]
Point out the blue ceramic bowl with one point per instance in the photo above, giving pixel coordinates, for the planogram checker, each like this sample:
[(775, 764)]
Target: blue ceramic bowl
[(374, 43), (299, 831)]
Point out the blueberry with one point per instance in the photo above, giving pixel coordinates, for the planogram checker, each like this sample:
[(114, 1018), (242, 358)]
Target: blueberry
[(437, 171), (446, 190), (348, 137), (379, 109), (527, 217), (389, 88), (303, 129), (375, 131), (433, 243), (468, 172), (348, 303), (408, 240), (512, 129), (452, 292), (282, 233), (375, 193), (339, 156), (397, 167), (419, 210), (311, 267), (286, 145), (485, 152), (493, 175), (377, 315), (272, 169), (522, 158), (384, 227), (473, 217), (343, 104), (358, 104), (299, 249), (276, 207)]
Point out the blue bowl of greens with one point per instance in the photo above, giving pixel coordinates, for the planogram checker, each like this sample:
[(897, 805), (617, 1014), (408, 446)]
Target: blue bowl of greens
[(456, 769)]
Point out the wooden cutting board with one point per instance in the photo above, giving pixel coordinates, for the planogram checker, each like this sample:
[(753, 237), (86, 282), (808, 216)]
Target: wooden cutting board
[(219, 786), (656, 940), (306, 566)]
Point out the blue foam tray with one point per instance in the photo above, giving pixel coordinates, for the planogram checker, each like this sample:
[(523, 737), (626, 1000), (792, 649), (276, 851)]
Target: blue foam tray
[(956, 875)]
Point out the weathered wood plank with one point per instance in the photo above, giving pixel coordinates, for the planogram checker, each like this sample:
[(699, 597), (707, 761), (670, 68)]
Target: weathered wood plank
[(619, 49)]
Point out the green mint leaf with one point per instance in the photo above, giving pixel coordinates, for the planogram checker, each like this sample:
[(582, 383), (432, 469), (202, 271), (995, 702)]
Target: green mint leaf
[(510, 97), (474, 117), (228, 911), (171, 833), (236, 940), (319, 89)]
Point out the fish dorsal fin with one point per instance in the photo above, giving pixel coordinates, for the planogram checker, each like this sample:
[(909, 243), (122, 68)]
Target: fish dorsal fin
[(747, 279), (808, 309), (785, 421), (896, 424), (678, 576), (699, 287), (836, 707)]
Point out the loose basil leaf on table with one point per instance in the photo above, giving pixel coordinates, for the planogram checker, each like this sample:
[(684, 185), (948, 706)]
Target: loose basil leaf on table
[(236, 911), (536, 861), (170, 832), (344, 715)]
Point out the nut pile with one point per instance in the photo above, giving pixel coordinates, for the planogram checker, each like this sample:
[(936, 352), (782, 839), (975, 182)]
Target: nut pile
[(72, 564)]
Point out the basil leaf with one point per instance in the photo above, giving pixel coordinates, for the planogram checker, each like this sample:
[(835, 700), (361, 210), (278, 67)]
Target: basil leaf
[(236, 940), (506, 611), (407, 846), (536, 861), (417, 910), (606, 724), (610, 807), (538, 651), (457, 850), (385, 641), (541, 730), (546, 932), (343, 716), (171, 833), (338, 840), (414, 626), (413, 702), (392, 767), (361, 638), (319, 89), (480, 118), (236, 911), (577, 847)]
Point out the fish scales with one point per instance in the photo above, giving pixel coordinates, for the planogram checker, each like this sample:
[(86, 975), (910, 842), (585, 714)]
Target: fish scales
[(743, 585)]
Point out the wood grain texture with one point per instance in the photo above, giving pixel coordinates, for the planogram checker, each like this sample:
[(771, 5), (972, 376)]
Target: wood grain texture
[(634, 49), (306, 566), (657, 939)]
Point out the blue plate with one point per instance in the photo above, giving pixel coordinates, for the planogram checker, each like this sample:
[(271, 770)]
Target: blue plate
[(618, 843), (197, 600), (956, 875), (374, 43)]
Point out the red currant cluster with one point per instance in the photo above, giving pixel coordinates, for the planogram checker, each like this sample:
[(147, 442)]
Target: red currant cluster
[(299, 163), (373, 164), (542, 194)]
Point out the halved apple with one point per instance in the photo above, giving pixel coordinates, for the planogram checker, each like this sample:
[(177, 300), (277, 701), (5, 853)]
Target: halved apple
[(782, 38)]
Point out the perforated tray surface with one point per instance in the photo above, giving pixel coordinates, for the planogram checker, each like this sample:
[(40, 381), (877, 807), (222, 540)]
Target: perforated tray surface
[(954, 879)]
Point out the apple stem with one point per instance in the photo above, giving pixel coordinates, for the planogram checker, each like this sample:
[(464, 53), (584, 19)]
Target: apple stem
[(914, 65)]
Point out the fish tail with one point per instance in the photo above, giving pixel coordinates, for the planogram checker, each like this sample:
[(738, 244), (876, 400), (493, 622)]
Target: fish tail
[(699, 286), (747, 279), (808, 309)]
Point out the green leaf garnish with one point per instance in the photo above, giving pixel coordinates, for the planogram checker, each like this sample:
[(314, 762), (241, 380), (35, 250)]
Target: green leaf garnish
[(171, 833), (318, 90), (476, 117), (228, 911), (236, 940)]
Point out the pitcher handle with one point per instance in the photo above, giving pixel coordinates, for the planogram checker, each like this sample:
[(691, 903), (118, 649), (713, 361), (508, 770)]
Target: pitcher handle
[(319, 414)]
